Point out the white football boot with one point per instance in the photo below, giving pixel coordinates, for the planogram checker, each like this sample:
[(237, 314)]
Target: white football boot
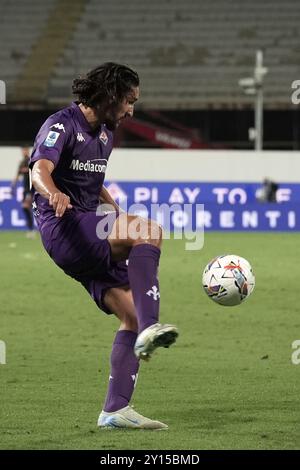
[(127, 418), (154, 336)]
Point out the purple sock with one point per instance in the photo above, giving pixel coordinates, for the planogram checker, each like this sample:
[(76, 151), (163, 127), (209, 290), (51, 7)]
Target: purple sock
[(123, 372), (142, 273)]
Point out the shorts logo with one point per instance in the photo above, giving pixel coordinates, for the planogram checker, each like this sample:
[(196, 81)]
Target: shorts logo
[(58, 126), (103, 137), (51, 139)]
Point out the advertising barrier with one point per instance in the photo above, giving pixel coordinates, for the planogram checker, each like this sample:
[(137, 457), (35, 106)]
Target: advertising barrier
[(214, 206)]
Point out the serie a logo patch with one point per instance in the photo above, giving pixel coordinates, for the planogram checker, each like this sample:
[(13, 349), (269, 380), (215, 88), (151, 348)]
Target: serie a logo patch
[(51, 138)]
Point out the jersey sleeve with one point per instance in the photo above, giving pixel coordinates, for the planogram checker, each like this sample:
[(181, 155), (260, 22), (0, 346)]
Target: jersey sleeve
[(50, 141)]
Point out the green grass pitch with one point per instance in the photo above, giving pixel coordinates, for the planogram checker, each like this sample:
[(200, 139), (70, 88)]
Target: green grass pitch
[(228, 383)]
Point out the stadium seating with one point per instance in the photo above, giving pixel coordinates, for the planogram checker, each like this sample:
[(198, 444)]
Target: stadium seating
[(22, 23), (189, 54)]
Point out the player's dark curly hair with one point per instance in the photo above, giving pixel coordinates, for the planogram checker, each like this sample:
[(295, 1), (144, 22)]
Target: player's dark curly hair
[(109, 81)]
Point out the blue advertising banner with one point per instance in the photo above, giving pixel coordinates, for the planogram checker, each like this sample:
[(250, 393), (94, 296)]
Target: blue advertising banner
[(227, 206), (202, 193)]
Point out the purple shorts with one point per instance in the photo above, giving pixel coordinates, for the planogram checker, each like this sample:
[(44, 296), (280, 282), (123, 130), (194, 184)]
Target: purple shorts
[(73, 243)]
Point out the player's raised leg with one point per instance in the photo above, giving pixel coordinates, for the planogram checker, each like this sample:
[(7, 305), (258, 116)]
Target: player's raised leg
[(117, 413), (140, 240)]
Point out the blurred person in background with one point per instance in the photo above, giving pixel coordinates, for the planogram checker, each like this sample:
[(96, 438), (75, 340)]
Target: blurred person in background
[(267, 193), (23, 173)]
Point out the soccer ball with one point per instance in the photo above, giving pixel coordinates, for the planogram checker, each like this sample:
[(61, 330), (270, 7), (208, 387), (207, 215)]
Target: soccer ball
[(228, 280)]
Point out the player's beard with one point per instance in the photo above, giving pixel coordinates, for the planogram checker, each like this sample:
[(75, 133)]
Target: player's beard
[(113, 123), (112, 117), (110, 124)]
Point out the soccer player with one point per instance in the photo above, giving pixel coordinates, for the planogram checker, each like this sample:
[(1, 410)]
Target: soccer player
[(68, 162), (23, 171)]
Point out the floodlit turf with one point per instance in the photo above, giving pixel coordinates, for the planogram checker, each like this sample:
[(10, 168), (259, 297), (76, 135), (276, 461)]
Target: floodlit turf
[(228, 383)]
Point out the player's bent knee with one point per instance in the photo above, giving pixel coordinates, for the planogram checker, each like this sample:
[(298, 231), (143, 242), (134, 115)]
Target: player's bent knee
[(158, 230), (146, 230), (155, 233), (130, 230)]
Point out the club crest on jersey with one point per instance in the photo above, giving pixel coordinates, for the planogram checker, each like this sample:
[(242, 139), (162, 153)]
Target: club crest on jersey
[(103, 137), (58, 126), (51, 139)]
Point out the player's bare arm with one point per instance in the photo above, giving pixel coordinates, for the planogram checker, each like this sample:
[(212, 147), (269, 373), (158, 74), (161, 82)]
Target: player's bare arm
[(44, 184)]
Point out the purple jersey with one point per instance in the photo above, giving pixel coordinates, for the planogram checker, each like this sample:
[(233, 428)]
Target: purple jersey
[(80, 157)]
